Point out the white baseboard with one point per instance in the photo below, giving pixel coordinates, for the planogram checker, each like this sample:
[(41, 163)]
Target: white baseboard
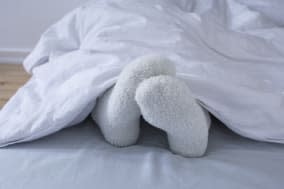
[(13, 55)]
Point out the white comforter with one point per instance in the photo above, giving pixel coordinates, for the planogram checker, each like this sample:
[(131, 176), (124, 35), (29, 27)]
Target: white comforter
[(230, 52)]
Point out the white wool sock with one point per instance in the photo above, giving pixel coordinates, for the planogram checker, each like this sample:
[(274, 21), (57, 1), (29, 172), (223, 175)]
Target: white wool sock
[(167, 103), (117, 113)]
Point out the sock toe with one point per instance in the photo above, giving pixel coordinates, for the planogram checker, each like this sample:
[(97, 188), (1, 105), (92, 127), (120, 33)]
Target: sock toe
[(167, 103)]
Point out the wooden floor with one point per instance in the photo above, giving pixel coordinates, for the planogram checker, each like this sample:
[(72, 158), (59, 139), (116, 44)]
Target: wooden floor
[(12, 76)]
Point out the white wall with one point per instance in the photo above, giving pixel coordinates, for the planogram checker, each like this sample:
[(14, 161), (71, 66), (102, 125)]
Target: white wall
[(22, 22)]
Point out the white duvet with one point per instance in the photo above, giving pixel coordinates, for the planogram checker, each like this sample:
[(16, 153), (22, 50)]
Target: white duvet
[(231, 53)]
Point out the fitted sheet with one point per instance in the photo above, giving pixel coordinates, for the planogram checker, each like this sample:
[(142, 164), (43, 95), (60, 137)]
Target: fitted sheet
[(79, 157)]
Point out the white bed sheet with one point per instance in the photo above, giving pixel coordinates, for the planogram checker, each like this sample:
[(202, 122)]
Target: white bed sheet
[(78, 157)]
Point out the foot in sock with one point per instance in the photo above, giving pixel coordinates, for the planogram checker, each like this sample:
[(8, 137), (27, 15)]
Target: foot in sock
[(167, 103), (117, 113)]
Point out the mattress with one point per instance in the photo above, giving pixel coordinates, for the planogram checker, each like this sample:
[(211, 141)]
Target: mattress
[(79, 157)]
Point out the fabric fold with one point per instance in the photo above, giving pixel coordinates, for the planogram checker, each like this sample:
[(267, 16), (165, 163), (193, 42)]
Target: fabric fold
[(230, 52)]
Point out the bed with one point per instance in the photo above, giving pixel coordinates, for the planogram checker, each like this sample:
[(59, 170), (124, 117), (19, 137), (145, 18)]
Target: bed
[(230, 51), (79, 157)]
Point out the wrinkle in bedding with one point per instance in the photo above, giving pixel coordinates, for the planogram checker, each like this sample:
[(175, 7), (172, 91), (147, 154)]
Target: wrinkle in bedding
[(230, 52)]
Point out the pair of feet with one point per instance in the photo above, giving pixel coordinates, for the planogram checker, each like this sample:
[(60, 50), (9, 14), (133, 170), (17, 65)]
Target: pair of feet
[(148, 87)]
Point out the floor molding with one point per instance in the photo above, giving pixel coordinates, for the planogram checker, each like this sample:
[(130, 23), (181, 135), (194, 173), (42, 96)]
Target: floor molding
[(13, 55)]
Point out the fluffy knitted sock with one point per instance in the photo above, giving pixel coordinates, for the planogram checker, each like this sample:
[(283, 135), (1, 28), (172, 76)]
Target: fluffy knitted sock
[(117, 113), (167, 103)]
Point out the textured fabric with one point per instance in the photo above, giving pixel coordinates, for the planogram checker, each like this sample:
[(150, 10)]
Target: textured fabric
[(148, 87), (229, 51), (167, 103), (79, 157), (117, 112)]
